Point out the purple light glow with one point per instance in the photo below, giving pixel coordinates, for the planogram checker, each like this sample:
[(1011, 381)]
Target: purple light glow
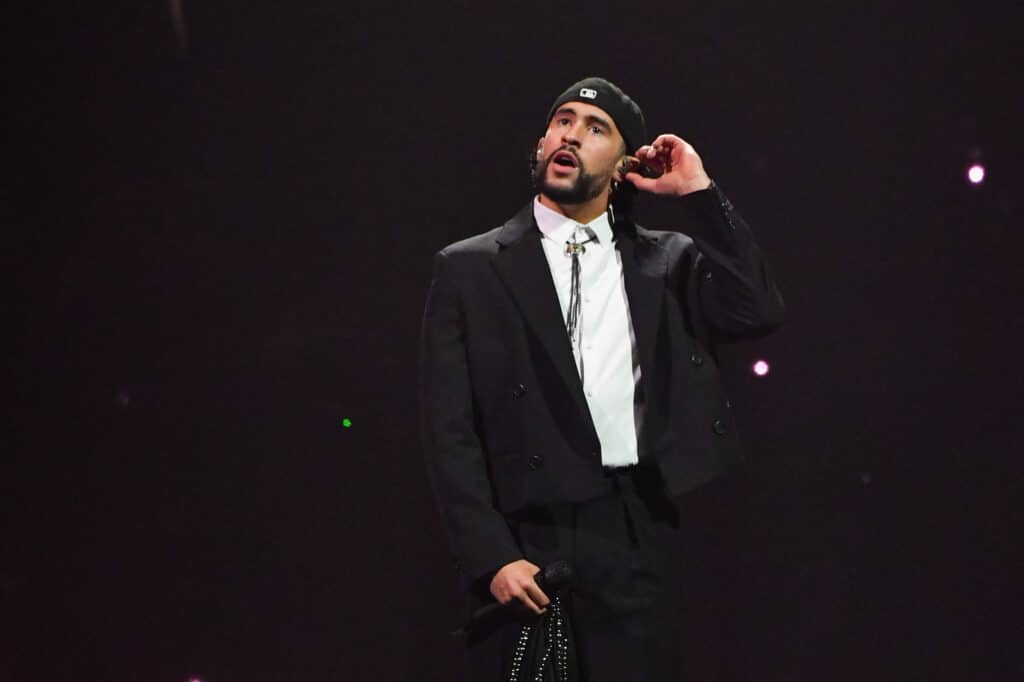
[(761, 368), (976, 174)]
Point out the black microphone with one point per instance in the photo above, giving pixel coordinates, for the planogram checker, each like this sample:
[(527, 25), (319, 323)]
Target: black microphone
[(553, 580)]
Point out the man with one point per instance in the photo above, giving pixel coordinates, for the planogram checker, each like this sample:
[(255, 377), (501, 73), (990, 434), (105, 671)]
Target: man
[(569, 384)]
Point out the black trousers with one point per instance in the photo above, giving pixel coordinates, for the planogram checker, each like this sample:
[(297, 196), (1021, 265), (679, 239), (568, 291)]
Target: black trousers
[(625, 604)]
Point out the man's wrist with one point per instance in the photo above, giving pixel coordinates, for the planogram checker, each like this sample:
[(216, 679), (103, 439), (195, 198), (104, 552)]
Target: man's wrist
[(696, 185)]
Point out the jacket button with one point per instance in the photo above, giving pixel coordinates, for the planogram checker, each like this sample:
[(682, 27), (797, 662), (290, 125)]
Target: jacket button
[(519, 391), (535, 462), (719, 427), (696, 359), (707, 274)]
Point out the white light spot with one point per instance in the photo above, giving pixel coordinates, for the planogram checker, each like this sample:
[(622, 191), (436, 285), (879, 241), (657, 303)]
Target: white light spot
[(976, 174), (761, 368)]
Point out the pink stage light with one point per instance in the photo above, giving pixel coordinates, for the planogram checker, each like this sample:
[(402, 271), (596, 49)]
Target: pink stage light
[(761, 368), (976, 174)]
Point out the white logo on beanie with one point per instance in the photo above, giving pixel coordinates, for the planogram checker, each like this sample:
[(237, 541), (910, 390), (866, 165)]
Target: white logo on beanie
[(588, 93)]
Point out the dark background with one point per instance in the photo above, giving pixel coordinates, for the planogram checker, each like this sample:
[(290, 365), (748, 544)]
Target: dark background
[(219, 246)]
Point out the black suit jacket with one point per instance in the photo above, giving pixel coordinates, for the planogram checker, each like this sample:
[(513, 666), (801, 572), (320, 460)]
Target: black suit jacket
[(504, 421)]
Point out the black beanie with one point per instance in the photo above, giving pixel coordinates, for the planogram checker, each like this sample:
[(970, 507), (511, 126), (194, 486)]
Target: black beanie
[(609, 97)]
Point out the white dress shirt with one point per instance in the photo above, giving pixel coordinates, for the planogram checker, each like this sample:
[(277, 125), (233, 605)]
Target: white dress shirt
[(605, 348)]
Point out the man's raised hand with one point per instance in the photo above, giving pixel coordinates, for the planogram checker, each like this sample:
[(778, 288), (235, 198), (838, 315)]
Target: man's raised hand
[(681, 169)]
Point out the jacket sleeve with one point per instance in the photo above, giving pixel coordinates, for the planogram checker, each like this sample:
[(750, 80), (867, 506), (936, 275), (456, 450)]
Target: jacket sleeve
[(478, 534), (736, 294)]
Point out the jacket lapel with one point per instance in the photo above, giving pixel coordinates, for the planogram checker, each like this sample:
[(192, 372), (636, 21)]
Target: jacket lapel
[(523, 268), (644, 269)]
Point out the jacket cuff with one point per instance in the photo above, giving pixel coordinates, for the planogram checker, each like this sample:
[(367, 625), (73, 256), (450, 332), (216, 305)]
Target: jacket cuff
[(709, 206)]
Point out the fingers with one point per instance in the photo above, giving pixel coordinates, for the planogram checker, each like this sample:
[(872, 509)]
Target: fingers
[(663, 143), (529, 602), (669, 138), (680, 167), (531, 596), (524, 589), (658, 156), (528, 594), (515, 582), (640, 182), (665, 152), (537, 595), (647, 154)]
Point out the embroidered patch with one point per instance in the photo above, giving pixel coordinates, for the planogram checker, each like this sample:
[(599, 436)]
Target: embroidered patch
[(588, 93)]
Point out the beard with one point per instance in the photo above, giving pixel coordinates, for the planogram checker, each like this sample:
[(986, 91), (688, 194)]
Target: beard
[(585, 187)]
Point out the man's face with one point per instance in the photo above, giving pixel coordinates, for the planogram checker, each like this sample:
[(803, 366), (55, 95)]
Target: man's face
[(579, 154)]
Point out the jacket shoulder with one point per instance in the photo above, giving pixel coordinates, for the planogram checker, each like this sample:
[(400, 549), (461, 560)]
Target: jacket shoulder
[(489, 243), (483, 244)]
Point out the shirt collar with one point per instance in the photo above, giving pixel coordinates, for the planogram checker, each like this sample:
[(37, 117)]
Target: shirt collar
[(559, 228)]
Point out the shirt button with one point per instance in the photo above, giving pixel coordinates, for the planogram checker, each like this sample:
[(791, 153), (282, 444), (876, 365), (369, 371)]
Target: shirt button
[(719, 427), (535, 462)]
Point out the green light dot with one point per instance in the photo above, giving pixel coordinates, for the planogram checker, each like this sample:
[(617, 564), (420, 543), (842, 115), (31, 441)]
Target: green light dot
[(346, 422)]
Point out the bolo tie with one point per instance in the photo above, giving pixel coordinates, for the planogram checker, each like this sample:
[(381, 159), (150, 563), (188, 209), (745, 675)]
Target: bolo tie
[(573, 249)]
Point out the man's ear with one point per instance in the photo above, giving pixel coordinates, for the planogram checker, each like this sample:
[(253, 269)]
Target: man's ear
[(623, 167)]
